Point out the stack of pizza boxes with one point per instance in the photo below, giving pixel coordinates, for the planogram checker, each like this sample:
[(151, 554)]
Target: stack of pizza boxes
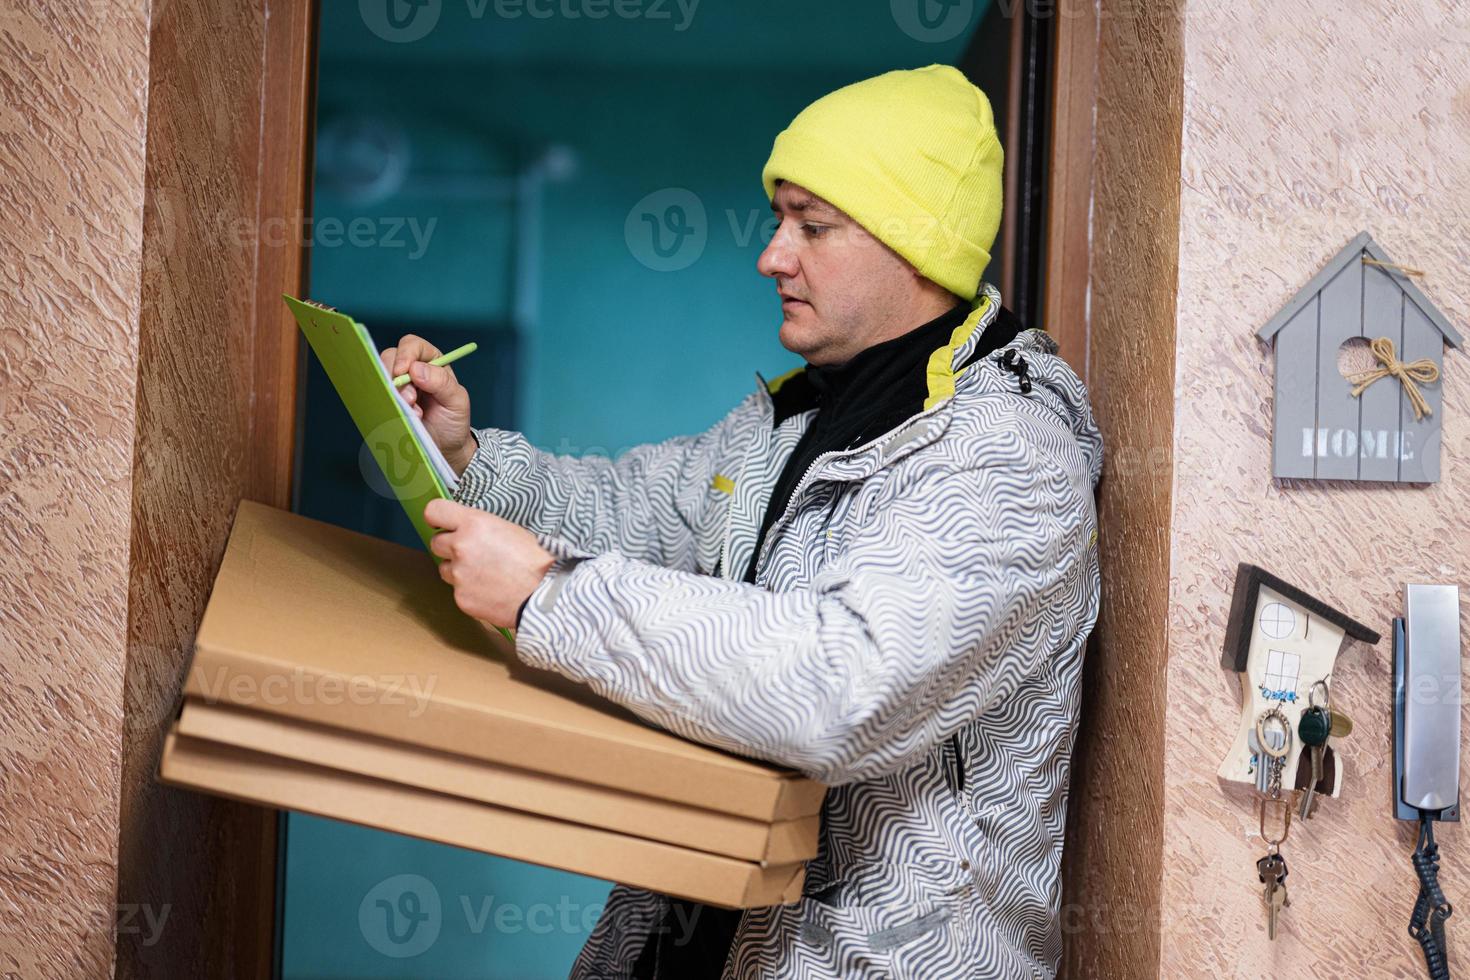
[(334, 675)]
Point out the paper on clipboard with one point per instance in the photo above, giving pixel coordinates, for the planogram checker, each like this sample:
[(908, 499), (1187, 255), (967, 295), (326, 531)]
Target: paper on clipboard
[(410, 460)]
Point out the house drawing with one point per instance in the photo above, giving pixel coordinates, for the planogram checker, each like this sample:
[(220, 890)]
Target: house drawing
[(1280, 641), (1323, 432)]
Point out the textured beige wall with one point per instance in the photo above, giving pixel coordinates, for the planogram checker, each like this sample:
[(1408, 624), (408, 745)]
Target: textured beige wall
[(72, 99), (1303, 124)]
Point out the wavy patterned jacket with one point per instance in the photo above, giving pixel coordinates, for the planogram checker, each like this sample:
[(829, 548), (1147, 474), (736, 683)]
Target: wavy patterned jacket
[(914, 639)]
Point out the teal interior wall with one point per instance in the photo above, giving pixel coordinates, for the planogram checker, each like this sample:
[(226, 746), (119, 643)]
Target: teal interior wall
[(632, 341)]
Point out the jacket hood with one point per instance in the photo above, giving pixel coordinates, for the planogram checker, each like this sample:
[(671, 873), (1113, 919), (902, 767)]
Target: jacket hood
[(1049, 381), (1053, 385)]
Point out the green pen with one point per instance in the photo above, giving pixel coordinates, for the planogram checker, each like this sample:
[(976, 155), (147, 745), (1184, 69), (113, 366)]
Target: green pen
[(442, 360)]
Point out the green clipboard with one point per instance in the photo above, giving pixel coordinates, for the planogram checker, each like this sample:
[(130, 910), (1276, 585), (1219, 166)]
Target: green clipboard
[(406, 454)]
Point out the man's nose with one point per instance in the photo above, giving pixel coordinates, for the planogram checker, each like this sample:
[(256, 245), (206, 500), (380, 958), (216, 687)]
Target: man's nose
[(778, 258)]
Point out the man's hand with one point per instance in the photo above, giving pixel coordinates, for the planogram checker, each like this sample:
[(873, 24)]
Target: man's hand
[(435, 396), (494, 565)]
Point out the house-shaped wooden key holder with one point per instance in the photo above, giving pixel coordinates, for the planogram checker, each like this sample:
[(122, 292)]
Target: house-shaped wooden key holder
[(1281, 641), (1383, 424)]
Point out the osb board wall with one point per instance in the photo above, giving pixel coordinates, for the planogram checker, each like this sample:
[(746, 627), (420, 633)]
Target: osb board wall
[(1304, 124), (1110, 895), (72, 83)]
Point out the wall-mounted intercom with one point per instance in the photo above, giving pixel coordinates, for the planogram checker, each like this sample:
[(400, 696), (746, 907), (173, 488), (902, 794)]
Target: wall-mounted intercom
[(1426, 745)]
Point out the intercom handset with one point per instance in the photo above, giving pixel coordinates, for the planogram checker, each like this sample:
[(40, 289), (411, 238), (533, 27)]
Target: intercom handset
[(1426, 729), (1431, 777)]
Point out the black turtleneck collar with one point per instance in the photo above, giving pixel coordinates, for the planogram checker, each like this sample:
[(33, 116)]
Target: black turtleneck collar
[(875, 391), (888, 361), (888, 380)]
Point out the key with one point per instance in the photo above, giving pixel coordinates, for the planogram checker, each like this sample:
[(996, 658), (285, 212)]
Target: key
[(1314, 727), (1262, 770), (1342, 725), (1309, 798), (1271, 869), (1266, 756), (1278, 901)]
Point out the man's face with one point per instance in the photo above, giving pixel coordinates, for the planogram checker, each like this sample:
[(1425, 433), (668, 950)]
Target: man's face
[(841, 289)]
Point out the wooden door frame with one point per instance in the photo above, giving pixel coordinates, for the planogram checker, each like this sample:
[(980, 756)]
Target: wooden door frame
[(1043, 94), (287, 134), (1064, 302), (228, 186)]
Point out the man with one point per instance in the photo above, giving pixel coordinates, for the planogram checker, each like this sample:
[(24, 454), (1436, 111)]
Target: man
[(879, 569)]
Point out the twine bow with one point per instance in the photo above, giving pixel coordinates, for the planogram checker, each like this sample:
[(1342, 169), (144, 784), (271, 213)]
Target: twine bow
[(1422, 370)]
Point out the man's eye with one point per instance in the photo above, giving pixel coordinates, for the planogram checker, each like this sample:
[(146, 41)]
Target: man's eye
[(816, 231)]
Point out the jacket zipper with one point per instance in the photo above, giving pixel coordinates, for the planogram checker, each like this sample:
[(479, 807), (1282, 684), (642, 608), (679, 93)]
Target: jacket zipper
[(959, 765), (790, 503), (801, 485), (724, 562)]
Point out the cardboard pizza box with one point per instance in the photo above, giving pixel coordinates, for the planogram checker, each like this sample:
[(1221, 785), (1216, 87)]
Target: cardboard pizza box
[(782, 842), (257, 777), (318, 624)]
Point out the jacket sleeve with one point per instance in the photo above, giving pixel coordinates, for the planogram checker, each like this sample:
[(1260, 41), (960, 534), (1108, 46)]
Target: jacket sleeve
[(967, 581), (648, 503)]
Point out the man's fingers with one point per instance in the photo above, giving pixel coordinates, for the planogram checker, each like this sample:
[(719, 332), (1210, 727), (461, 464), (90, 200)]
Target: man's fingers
[(447, 571), (432, 378), (411, 348), (442, 544), (446, 514)]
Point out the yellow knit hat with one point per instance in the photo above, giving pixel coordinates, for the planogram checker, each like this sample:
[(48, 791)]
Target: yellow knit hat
[(914, 158)]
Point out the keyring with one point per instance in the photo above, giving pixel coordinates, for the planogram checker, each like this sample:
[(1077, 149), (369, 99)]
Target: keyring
[(1281, 751), (1326, 695), (1283, 812)]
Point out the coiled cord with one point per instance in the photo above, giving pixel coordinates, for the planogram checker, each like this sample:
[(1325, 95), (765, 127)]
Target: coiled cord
[(1430, 909)]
